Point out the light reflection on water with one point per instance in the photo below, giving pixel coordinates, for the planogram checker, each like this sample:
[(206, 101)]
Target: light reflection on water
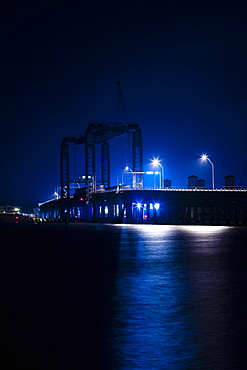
[(124, 297), (205, 229), (172, 298)]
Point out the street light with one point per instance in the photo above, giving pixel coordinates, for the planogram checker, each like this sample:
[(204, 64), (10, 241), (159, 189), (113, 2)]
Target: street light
[(204, 157), (156, 162), (128, 170)]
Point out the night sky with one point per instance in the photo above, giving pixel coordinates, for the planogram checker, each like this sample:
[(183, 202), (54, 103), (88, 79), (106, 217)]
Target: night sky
[(182, 67)]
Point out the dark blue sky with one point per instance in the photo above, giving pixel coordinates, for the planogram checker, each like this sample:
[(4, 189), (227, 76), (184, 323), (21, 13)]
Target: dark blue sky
[(182, 66)]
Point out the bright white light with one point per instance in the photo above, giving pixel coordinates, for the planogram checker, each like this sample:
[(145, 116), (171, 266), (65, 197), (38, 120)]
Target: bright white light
[(157, 206), (204, 157), (156, 162)]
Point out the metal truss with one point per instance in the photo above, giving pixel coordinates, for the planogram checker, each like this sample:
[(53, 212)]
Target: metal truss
[(100, 133)]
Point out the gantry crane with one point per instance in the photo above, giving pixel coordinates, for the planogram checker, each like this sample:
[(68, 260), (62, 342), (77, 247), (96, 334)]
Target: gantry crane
[(100, 133)]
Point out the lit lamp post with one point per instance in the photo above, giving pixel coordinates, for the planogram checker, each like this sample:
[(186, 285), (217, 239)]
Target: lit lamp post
[(128, 170), (156, 162), (204, 157)]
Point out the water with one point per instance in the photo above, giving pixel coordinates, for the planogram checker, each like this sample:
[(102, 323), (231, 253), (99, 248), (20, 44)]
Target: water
[(123, 296)]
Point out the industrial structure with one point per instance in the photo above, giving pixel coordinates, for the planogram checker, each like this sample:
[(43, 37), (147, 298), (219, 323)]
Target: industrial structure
[(97, 201), (99, 133)]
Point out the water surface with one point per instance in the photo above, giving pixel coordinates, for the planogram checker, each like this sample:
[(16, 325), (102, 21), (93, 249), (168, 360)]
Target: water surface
[(123, 296)]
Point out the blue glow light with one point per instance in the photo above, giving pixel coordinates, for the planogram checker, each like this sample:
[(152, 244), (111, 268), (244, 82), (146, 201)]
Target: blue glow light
[(157, 206), (139, 206)]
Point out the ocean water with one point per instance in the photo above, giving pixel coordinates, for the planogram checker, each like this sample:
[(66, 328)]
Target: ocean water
[(94, 296)]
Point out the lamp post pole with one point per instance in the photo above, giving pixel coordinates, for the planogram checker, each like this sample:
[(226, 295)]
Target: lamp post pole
[(162, 176), (212, 172), (204, 157), (128, 170), (155, 163)]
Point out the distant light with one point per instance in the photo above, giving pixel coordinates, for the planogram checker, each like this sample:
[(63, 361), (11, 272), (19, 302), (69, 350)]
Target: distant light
[(157, 206), (149, 172), (156, 172), (204, 157), (81, 199), (16, 209)]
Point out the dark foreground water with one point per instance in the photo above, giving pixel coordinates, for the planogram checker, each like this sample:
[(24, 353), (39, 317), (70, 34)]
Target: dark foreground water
[(123, 297)]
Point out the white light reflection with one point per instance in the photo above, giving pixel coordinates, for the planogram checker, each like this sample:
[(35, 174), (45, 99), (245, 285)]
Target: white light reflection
[(204, 229), (149, 229), (150, 235), (155, 229)]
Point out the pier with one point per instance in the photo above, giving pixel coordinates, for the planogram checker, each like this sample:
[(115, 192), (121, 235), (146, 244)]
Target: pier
[(130, 202), (157, 206)]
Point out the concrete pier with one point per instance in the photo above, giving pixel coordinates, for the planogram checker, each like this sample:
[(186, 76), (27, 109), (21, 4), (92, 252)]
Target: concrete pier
[(159, 206)]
